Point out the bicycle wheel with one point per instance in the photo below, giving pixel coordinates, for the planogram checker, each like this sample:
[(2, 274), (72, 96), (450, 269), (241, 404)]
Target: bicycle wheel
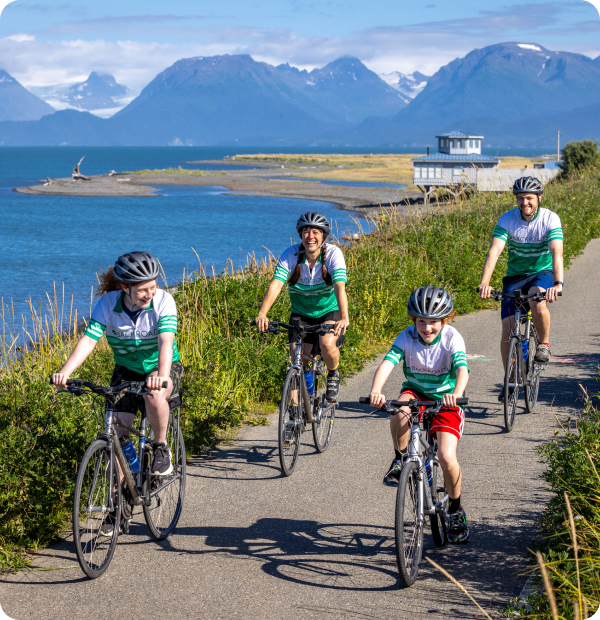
[(511, 394), (95, 527), (290, 423), (532, 385), (166, 492), (324, 428), (408, 531), (438, 520)]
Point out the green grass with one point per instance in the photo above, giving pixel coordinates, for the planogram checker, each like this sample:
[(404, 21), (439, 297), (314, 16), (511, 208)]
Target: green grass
[(233, 374)]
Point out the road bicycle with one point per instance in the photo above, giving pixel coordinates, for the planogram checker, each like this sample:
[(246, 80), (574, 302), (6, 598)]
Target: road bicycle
[(298, 407), (102, 506), (421, 488), (522, 371)]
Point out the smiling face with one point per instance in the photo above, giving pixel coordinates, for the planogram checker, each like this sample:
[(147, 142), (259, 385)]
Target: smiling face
[(141, 294), (312, 238), (428, 329), (528, 204)]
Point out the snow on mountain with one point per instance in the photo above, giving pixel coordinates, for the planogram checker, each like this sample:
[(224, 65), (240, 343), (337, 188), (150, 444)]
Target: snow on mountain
[(408, 85)]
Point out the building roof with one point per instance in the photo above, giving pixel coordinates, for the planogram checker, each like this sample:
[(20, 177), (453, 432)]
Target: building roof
[(441, 157), (458, 134)]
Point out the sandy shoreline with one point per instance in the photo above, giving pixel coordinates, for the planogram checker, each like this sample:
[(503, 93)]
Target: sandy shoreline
[(262, 179)]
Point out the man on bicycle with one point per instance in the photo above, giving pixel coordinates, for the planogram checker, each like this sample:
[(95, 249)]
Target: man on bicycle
[(435, 368), (535, 262), (315, 272)]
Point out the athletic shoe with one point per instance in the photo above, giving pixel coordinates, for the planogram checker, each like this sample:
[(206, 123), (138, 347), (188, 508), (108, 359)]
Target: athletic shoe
[(458, 530), (393, 474), (542, 353), (161, 462), (333, 385), (108, 527)]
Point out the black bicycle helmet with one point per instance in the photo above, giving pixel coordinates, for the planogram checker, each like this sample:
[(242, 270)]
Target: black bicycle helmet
[(135, 267), (528, 185), (430, 302), (314, 220)]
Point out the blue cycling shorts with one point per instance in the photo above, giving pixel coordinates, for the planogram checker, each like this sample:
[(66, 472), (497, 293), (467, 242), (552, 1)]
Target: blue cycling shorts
[(543, 279)]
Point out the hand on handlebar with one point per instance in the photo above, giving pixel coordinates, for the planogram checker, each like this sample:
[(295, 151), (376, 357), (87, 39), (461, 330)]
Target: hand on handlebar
[(60, 379), (156, 383), (553, 292), (485, 292), (262, 323), (340, 327), (377, 399), (449, 400)]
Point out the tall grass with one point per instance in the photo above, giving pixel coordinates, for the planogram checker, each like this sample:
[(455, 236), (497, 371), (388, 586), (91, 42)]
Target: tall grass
[(233, 374)]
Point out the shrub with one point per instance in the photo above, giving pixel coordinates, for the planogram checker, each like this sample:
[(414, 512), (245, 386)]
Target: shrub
[(577, 156)]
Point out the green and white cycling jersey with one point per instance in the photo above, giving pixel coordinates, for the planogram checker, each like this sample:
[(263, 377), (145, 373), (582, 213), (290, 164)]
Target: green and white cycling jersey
[(310, 296), (134, 345), (528, 241), (430, 368)]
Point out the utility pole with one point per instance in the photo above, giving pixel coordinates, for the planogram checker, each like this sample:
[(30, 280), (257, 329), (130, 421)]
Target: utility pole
[(558, 148)]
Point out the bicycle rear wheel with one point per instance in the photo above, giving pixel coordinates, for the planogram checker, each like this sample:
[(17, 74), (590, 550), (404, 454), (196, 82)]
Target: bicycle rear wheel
[(95, 526), (408, 531), (532, 385), (324, 428), (290, 422), (166, 492), (511, 393), (438, 491)]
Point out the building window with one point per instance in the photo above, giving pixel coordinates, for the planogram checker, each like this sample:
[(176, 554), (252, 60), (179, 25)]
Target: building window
[(471, 143), (438, 172), (458, 170), (431, 172), (462, 144)]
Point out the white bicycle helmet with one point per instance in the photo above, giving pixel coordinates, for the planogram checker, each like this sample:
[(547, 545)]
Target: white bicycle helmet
[(314, 220), (136, 267), (430, 302)]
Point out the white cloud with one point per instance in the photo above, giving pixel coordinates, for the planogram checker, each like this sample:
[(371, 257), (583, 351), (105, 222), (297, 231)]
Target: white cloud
[(19, 38)]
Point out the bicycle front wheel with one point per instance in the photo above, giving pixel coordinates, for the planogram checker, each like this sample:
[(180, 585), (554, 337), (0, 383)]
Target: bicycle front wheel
[(532, 385), (290, 423), (408, 529), (166, 493), (438, 492), (511, 385), (95, 525), (322, 429)]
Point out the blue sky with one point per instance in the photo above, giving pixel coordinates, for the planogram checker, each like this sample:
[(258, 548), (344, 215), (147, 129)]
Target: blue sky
[(61, 41)]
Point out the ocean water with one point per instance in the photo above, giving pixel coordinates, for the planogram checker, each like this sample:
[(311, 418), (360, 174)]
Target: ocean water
[(342, 183), (57, 240)]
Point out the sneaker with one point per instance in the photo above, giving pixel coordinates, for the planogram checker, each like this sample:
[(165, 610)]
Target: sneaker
[(108, 527), (542, 353), (458, 530), (161, 462), (393, 474), (333, 385)]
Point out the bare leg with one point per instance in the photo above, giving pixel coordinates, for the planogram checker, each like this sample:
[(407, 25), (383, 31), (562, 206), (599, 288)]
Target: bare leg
[(157, 409), (399, 425), (507, 326), (447, 443), (329, 351), (541, 316)]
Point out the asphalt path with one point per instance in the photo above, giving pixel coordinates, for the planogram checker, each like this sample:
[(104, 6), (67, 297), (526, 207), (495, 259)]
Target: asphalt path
[(253, 544)]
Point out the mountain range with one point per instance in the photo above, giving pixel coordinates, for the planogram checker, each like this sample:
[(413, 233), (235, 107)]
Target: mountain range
[(512, 93)]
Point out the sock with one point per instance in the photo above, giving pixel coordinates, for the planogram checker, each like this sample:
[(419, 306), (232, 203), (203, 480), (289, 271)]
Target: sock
[(330, 371), (546, 343), (399, 453), (454, 505)]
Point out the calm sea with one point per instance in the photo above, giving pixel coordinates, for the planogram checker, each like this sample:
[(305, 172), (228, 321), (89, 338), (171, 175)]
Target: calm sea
[(67, 240)]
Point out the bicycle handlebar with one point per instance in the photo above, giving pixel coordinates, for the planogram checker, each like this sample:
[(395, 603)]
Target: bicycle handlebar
[(393, 406), (105, 390), (540, 296), (275, 326)]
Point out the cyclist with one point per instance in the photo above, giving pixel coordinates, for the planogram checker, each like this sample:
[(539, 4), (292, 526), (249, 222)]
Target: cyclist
[(140, 322), (315, 272), (535, 262), (435, 368)]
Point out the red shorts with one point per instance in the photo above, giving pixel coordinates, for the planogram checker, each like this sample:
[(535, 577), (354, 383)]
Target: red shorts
[(451, 420)]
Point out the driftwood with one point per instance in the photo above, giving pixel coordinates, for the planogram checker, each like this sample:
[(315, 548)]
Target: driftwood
[(77, 176), (48, 182), (112, 173)]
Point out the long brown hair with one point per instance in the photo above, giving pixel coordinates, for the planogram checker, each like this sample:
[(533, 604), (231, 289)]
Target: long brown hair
[(107, 282), (301, 254)]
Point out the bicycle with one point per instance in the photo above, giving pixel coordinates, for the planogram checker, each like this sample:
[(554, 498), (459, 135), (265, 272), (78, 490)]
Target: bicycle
[(99, 501), (415, 498), (521, 368), (297, 406)]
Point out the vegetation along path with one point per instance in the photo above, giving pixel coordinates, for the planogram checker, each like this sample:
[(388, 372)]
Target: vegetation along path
[(252, 544)]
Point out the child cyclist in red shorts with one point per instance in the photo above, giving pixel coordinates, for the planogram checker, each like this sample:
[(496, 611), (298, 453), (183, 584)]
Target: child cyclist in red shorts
[(435, 368)]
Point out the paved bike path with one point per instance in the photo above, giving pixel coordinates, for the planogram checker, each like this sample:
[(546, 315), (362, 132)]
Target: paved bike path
[(252, 544)]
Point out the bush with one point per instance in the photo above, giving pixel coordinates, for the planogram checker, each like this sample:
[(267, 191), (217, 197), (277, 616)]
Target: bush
[(577, 156)]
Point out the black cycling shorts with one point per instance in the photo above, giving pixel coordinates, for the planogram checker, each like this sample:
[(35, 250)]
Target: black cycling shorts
[(334, 315)]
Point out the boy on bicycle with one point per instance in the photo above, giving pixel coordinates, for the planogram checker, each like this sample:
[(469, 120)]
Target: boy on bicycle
[(535, 262), (435, 368), (140, 322)]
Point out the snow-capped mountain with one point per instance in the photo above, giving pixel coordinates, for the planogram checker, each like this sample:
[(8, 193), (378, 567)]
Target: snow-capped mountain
[(408, 85)]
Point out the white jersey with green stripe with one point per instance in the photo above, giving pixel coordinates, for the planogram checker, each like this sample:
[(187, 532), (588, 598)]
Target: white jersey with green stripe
[(528, 241), (134, 345), (430, 368), (310, 296)]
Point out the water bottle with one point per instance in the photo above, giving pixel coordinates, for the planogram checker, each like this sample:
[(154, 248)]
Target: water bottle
[(308, 376), (429, 472), (525, 349), (130, 453)]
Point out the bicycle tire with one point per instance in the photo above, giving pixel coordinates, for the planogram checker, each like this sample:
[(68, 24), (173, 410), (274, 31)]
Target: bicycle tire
[(91, 509), (290, 423), (323, 430), (408, 532), (162, 515), (532, 389), (439, 530), (510, 376)]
